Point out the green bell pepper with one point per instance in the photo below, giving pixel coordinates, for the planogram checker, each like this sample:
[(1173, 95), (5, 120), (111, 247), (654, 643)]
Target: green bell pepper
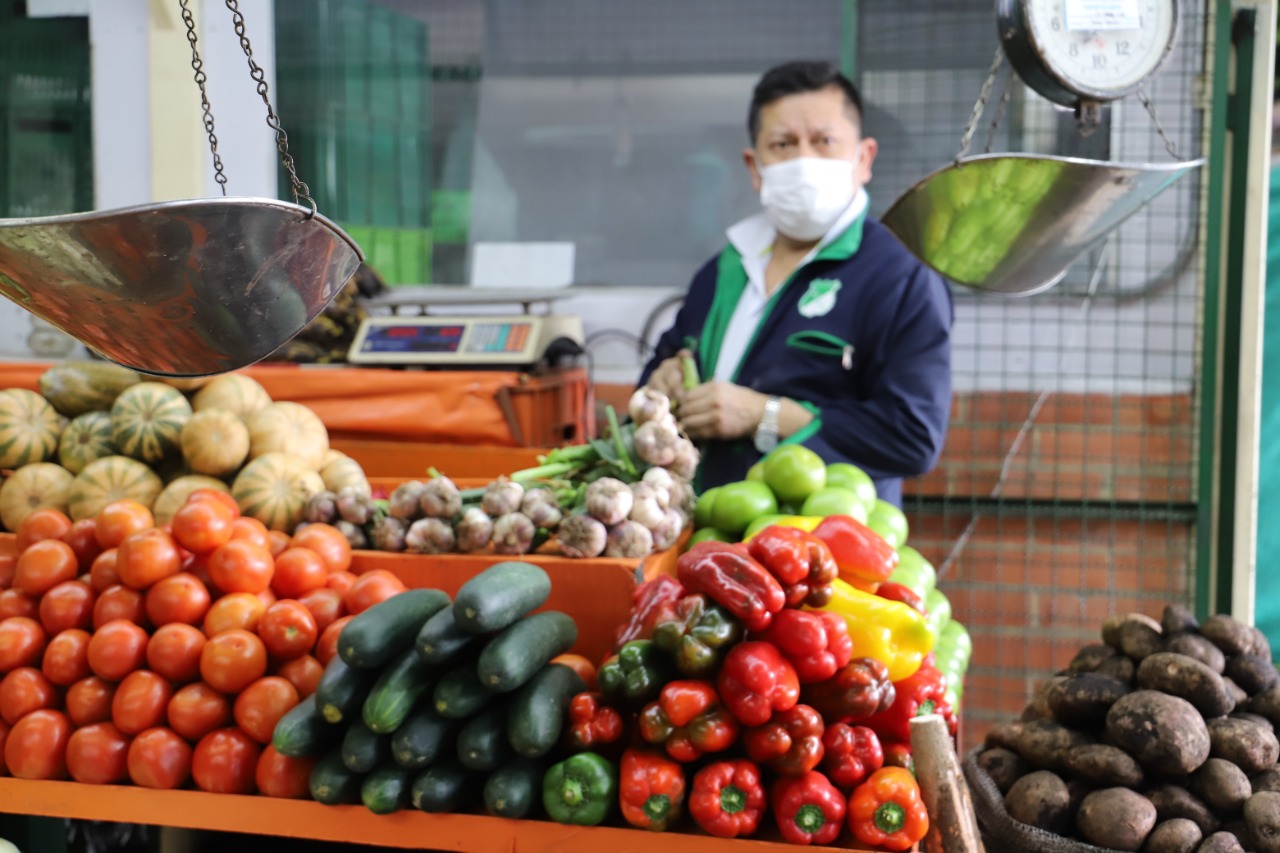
[(696, 634), (635, 675), (580, 790)]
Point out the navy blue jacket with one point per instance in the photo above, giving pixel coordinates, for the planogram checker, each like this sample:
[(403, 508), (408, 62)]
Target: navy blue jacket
[(887, 413)]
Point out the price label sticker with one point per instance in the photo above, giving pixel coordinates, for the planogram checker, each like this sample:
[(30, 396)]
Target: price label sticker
[(1103, 15)]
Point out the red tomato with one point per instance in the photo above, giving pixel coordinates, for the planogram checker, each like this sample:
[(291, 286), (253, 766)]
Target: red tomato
[(225, 762), (117, 649), (21, 642), (284, 777), (67, 605), (217, 497), (267, 597), (262, 704), (251, 530), (583, 666), (17, 603), (303, 673), (147, 557), (159, 759), (103, 574), (4, 734), (298, 571), (327, 541), (325, 606), (327, 645), (89, 701), (25, 690), (43, 566), (198, 709), (83, 539), (203, 526), (372, 588), (119, 602), (42, 524), (37, 746), (66, 659), (198, 565), (8, 568), (177, 598), (233, 660), (239, 610), (98, 755), (288, 630), (277, 542), (241, 566), (341, 582), (121, 519), (140, 702), (174, 652)]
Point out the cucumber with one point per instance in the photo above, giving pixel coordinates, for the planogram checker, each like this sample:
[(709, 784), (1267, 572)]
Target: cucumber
[(375, 637), (443, 787), (332, 783), (422, 738), (442, 638), (303, 731), (482, 743), (342, 691), (363, 749), (395, 692), (515, 789), (500, 595), (386, 789), (459, 693), (514, 656), (535, 716)]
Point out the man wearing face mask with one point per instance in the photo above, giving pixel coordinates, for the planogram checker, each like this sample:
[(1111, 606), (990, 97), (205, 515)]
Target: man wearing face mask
[(814, 325)]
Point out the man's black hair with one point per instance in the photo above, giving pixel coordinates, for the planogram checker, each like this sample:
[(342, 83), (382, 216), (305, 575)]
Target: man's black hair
[(793, 78)]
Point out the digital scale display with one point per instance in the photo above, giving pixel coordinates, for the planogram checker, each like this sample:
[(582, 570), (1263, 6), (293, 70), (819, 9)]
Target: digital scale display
[(483, 338)]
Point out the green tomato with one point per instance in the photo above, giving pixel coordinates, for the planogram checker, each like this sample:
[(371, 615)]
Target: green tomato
[(914, 571), (954, 635), (794, 472), (704, 507), (760, 524), (709, 534), (739, 504), (756, 473), (853, 478), (887, 520), (937, 610), (834, 500)]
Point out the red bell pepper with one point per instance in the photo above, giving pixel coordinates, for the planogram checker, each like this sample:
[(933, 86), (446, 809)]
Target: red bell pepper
[(851, 754), (646, 602), (731, 578), (886, 811), (592, 723), (689, 720), (898, 592), (815, 642), (801, 563), (808, 808), (650, 790), (790, 744), (755, 681), (898, 754), (727, 799), (859, 689), (861, 555), (917, 695)]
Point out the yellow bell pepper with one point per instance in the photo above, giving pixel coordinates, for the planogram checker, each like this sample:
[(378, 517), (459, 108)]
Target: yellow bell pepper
[(807, 523), (888, 631)]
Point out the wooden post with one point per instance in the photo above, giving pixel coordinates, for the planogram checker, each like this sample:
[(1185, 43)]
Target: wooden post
[(953, 826)]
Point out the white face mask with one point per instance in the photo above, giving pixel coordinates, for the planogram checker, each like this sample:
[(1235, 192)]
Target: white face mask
[(804, 197)]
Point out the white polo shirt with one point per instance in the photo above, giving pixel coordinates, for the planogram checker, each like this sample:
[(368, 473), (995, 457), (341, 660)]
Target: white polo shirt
[(753, 237)]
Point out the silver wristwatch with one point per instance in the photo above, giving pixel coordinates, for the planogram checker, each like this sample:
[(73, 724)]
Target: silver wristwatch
[(766, 437)]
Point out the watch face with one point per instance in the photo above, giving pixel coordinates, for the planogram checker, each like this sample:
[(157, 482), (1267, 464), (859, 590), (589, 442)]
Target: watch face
[(766, 441), (1101, 49)]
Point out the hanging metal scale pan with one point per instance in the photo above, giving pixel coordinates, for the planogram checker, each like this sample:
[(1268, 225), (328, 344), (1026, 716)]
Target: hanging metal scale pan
[(1014, 223)]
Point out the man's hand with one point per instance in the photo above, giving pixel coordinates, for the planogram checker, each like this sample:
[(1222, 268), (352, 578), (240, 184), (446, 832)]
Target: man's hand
[(668, 378), (721, 410)]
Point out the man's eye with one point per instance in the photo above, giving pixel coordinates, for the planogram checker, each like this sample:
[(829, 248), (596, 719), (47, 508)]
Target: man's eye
[(781, 143)]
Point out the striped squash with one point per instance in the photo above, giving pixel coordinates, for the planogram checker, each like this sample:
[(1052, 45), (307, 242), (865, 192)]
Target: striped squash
[(111, 479), (342, 472), (77, 387), (86, 439), (274, 488), (215, 442), (147, 421), (40, 485), (233, 392), (176, 493), (29, 428), (288, 428)]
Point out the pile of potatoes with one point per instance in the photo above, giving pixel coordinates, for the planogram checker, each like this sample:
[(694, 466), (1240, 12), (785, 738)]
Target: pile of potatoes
[(1159, 739)]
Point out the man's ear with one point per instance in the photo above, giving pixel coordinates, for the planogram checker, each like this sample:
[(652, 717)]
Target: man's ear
[(753, 166), (869, 149)]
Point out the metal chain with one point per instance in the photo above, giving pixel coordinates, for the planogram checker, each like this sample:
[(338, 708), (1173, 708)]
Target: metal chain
[(967, 138), (300, 190), (1005, 91), (1151, 111), (218, 174)]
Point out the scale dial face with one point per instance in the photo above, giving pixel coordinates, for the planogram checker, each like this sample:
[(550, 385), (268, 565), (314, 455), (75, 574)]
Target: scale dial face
[(1087, 50)]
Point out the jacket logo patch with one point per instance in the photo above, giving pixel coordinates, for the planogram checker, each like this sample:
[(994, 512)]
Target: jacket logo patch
[(820, 298)]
